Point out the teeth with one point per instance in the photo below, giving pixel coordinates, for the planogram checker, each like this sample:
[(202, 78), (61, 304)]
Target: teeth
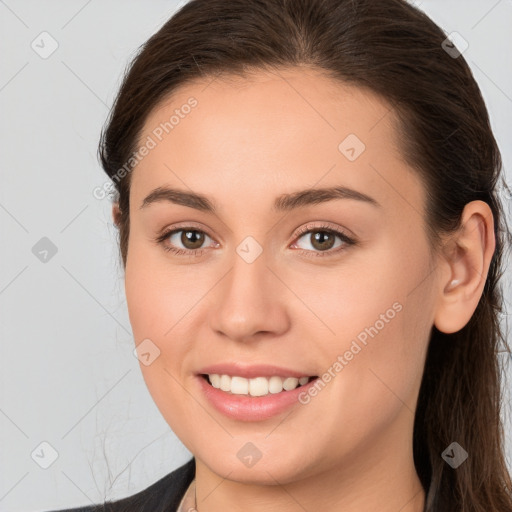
[(259, 386), (239, 386), (275, 384)]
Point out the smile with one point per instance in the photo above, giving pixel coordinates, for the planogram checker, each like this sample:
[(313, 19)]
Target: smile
[(270, 396), (258, 386)]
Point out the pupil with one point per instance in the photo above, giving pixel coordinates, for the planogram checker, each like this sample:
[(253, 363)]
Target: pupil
[(320, 238), (195, 238)]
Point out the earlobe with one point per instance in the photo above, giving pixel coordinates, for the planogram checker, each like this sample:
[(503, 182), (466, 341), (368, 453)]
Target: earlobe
[(452, 284), (116, 214), (466, 267)]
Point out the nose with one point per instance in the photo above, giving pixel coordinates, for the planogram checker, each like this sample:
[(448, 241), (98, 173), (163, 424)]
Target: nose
[(249, 302)]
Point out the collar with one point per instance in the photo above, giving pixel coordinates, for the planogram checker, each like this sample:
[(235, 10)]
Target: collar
[(188, 502)]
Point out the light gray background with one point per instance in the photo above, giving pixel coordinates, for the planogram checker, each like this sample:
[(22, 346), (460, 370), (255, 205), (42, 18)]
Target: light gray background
[(68, 375)]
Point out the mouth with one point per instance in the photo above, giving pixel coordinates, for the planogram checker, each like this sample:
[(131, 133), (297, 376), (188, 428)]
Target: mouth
[(257, 386)]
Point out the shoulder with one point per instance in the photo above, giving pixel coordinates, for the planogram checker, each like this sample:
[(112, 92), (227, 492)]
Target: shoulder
[(163, 495)]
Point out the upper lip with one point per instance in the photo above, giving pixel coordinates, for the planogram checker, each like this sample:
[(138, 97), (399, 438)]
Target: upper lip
[(252, 371)]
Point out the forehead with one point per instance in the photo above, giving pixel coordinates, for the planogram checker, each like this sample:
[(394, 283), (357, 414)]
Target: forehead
[(271, 133)]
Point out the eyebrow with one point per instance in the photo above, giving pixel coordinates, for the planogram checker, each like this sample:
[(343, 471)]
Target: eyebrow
[(283, 203)]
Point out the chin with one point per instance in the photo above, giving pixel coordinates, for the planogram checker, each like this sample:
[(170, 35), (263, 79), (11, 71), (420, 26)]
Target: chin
[(268, 470)]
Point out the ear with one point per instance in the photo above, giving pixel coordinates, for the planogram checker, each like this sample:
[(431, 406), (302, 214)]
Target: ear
[(464, 267), (116, 214)]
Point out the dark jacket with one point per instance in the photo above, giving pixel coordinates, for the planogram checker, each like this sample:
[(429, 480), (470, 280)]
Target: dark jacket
[(162, 496)]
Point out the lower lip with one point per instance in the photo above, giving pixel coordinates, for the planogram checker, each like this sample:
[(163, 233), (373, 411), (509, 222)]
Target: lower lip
[(247, 408)]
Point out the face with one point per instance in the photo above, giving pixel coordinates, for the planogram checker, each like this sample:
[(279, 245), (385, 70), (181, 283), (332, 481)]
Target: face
[(265, 280)]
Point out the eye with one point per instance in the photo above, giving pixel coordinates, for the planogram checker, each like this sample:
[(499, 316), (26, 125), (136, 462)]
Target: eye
[(187, 240), (321, 240)]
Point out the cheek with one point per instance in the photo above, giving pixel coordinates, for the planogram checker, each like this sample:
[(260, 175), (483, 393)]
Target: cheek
[(379, 310), (157, 305), (158, 293), (163, 302)]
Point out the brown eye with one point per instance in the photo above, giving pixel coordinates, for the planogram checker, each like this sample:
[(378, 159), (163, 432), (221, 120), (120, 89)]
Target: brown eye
[(192, 239), (184, 241), (322, 240)]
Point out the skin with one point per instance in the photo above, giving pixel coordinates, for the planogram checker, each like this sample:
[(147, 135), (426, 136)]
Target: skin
[(247, 142)]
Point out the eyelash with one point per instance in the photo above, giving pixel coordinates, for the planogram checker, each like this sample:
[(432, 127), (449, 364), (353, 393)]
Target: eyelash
[(348, 241)]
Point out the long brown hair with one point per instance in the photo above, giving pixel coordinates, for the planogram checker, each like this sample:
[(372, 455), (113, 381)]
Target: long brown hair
[(395, 50)]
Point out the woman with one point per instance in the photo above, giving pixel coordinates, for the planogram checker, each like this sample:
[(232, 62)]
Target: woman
[(312, 240)]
